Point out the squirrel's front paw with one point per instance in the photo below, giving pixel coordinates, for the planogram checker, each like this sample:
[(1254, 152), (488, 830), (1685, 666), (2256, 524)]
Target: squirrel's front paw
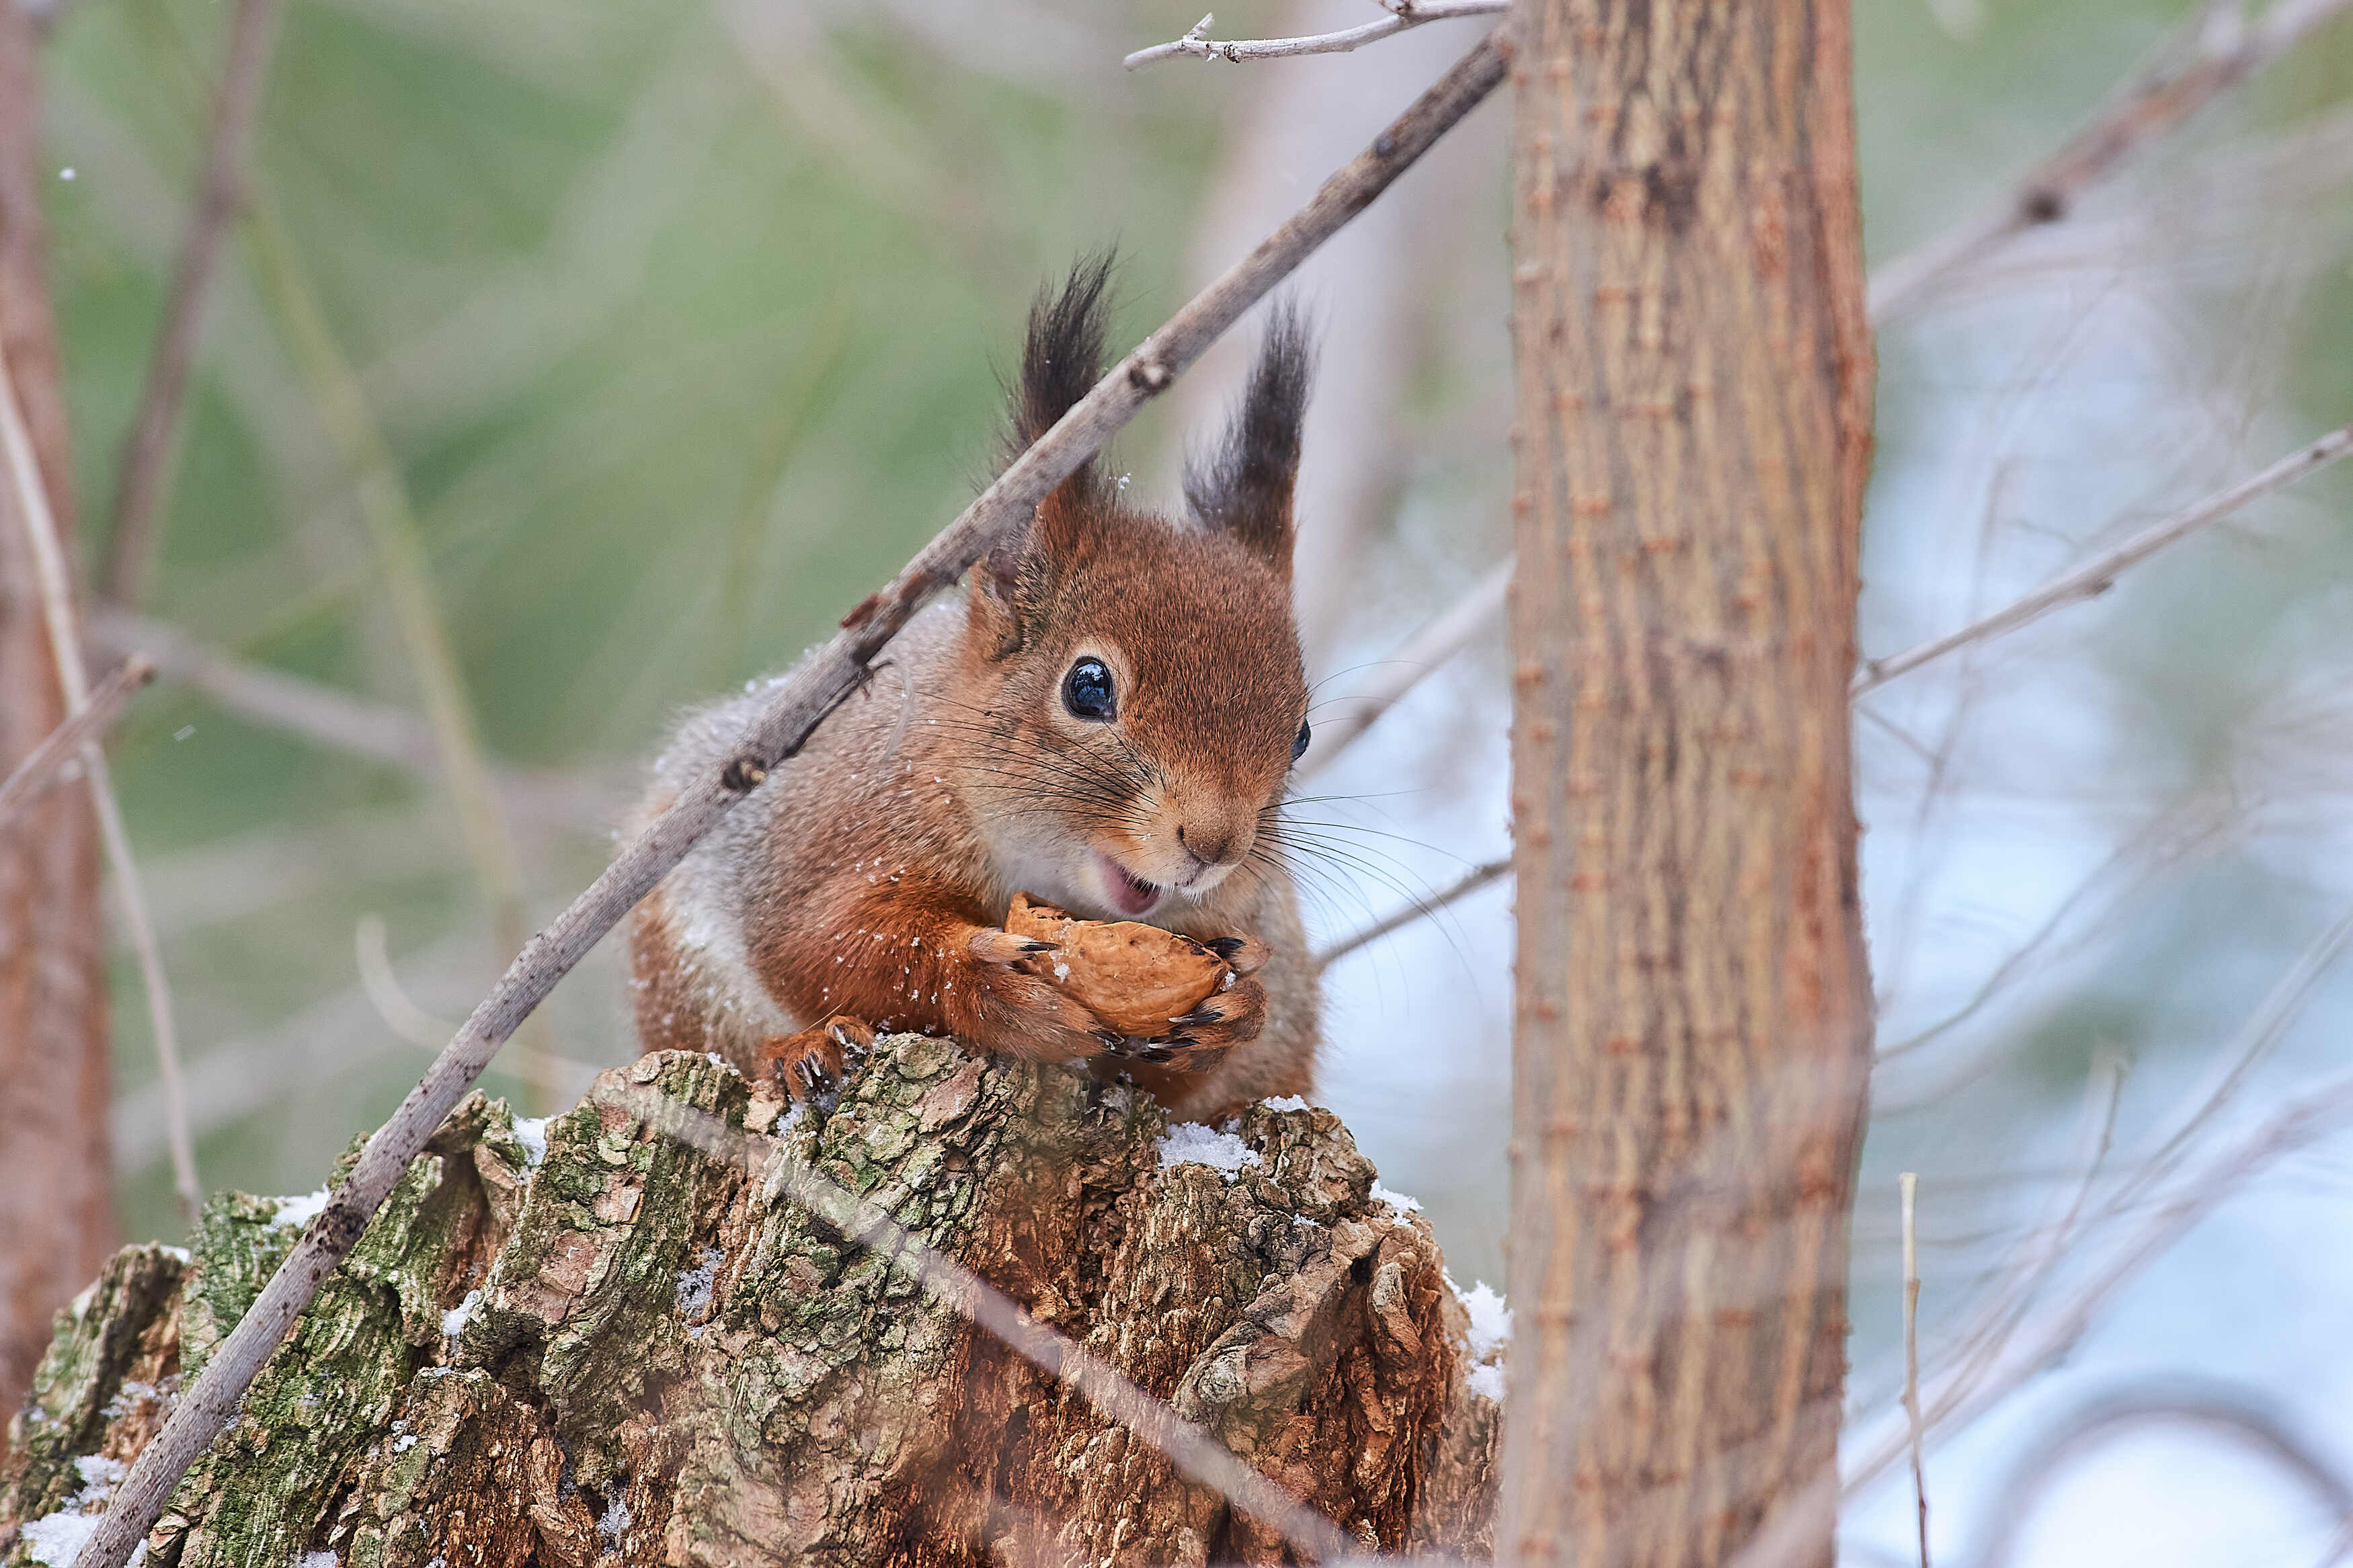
[(1198, 1040), (809, 1062), (1006, 1006)]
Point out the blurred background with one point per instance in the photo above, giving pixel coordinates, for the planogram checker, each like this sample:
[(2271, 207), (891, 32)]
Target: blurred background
[(600, 356)]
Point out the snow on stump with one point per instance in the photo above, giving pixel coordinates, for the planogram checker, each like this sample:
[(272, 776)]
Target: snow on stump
[(594, 1342)]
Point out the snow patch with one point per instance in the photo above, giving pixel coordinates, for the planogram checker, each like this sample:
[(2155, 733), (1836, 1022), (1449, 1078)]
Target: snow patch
[(1491, 1319), (319, 1559), (1486, 1340), (300, 1212), (615, 1521), (694, 1284), (99, 1473), (1402, 1204), (531, 1133), (454, 1321), (1288, 1102), (58, 1539), (1190, 1144)]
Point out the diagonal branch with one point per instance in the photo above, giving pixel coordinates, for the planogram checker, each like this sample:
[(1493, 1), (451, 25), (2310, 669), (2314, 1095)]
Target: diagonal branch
[(798, 705), (2095, 576), (57, 608), (1402, 15), (2216, 49), (45, 763), (144, 480)]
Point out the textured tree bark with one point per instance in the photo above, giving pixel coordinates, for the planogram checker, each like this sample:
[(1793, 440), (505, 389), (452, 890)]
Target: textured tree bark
[(56, 1219), (1691, 1041), (589, 1341)]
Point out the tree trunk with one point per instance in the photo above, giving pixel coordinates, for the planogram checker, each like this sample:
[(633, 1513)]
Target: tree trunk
[(1692, 1033), (588, 1341), (56, 1219)]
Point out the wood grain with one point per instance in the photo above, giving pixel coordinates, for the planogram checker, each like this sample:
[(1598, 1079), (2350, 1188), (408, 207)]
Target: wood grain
[(1693, 392)]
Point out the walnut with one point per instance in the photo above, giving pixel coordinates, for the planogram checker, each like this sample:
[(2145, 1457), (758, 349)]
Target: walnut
[(1134, 977)]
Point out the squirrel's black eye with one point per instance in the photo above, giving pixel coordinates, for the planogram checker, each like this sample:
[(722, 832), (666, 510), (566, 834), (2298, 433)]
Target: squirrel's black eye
[(1086, 690), (1299, 741)]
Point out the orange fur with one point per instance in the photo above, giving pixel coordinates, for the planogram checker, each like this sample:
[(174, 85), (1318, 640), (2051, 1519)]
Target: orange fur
[(869, 875)]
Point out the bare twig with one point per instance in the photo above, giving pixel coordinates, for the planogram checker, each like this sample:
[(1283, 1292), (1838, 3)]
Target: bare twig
[(1470, 882), (43, 765), (1455, 627), (146, 452), (1186, 1446), (2215, 50), (588, 802), (1997, 1358), (1909, 1184), (1786, 1535), (1440, 638), (341, 721), (2224, 1410), (1402, 15), (798, 705), (2095, 576), (65, 646)]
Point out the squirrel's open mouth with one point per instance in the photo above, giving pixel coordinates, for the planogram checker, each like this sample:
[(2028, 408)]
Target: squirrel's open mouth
[(1132, 895)]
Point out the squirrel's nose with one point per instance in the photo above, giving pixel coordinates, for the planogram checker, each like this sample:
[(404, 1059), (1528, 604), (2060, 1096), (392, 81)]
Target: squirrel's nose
[(1207, 850)]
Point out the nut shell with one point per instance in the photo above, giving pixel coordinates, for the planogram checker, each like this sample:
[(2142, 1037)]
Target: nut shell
[(1134, 977)]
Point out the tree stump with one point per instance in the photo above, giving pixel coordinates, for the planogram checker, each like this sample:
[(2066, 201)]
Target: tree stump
[(591, 1342)]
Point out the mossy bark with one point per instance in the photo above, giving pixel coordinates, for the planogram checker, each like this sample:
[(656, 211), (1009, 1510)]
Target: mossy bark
[(625, 1351)]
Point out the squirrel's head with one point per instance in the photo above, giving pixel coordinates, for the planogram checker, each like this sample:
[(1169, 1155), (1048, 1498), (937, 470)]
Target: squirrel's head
[(1138, 677)]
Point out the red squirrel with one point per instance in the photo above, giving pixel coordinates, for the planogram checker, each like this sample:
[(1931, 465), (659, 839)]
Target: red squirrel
[(1106, 719)]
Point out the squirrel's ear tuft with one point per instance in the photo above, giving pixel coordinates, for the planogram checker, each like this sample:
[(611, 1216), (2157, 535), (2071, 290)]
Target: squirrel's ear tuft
[(1061, 359), (1245, 487)]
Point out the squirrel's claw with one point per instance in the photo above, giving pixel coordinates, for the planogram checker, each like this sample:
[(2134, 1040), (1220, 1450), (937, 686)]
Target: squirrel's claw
[(1196, 1041), (1127, 1047), (809, 1063), (1242, 954), (1002, 947)]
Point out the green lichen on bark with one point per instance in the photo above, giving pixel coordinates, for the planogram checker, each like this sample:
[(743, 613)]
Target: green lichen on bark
[(636, 1352)]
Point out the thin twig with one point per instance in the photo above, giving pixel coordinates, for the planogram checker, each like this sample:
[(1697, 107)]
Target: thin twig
[(64, 648), (46, 762), (1455, 627), (1470, 882), (1787, 1534), (146, 473), (1402, 15), (1185, 1444), (797, 706), (1438, 639), (2095, 576), (1909, 1185), (2200, 63), (588, 801)]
